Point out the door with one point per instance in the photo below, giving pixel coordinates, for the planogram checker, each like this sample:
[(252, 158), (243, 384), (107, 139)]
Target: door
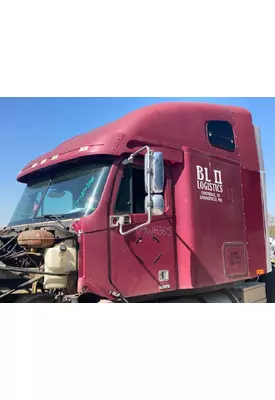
[(142, 262)]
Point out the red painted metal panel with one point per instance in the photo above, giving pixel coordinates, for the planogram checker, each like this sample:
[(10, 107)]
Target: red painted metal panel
[(166, 126), (235, 259), (207, 219), (137, 259), (254, 220)]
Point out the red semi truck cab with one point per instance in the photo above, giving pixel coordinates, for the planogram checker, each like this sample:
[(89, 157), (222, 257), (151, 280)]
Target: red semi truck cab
[(168, 201)]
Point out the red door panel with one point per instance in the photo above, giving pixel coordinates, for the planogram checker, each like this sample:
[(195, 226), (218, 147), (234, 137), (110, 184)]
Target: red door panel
[(137, 259), (143, 262)]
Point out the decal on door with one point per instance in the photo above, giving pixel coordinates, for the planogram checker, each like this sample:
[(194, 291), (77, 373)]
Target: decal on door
[(210, 187), (155, 230)]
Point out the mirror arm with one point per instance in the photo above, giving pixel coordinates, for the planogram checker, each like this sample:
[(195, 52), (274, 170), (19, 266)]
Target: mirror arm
[(123, 233), (132, 156)]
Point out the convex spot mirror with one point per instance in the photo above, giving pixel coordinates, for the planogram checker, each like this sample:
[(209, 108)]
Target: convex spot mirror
[(157, 204)]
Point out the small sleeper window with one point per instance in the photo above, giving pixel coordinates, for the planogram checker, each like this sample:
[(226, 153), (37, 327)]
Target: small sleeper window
[(220, 134)]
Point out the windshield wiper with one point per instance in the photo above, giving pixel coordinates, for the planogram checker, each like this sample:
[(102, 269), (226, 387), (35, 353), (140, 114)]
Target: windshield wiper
[(41, 201), (57, 218)]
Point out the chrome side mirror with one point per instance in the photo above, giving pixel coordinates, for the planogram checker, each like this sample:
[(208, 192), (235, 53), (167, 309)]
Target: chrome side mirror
[(154, 162)]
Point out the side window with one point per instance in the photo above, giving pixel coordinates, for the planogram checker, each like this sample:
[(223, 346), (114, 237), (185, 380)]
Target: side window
[(123, 202), (220, 134), (131, 193), (138, 190)]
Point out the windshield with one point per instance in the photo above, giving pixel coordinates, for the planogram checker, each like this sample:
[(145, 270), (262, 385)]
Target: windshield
[(70, 194)]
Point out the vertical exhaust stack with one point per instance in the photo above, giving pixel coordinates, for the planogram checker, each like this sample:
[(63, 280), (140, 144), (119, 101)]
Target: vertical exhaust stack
[(263, 195)]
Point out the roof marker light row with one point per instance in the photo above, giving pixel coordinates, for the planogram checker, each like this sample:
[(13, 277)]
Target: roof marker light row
[(85, 148)]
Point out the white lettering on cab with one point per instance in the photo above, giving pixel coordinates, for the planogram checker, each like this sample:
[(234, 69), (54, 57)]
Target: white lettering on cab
[(211, 189)]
